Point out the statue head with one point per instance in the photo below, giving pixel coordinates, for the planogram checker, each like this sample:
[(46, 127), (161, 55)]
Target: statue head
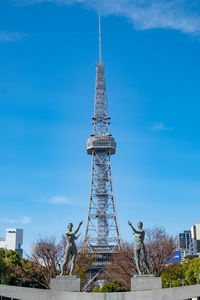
[(69, 226), (140, 225)]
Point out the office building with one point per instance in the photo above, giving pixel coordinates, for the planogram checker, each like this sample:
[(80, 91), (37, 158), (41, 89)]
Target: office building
[(13, 240)]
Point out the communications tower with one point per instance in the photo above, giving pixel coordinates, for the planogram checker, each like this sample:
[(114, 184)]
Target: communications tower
[(102, 231)]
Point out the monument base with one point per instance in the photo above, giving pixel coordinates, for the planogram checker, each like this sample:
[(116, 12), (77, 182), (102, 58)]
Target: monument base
[(145, 282), (65, 283)]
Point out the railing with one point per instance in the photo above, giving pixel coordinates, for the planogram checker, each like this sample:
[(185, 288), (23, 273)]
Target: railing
[(178, 293)]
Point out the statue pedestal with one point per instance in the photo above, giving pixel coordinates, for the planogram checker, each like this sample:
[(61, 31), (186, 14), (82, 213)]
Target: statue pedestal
[(145, 282), (65, 283)]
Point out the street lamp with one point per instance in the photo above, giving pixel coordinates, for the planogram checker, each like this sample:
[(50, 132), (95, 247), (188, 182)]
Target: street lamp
[(198, 278), (170, 284), (182, 280)]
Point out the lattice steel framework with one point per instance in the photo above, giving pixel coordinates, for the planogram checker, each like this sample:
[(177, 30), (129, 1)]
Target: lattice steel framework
[(102, 231)]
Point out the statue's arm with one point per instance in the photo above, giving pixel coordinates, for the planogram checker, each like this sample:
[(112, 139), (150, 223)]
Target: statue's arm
[(79, 225), (76, 237), (134, 230)]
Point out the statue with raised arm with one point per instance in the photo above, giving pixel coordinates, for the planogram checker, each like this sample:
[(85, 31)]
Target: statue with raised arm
[(139, 248), (71, 250)]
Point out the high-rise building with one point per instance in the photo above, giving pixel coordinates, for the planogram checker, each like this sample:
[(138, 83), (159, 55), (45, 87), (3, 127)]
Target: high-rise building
[(13, 240), (102, 231), (189, 242), (184, 239), (195, 237), (184, 243)]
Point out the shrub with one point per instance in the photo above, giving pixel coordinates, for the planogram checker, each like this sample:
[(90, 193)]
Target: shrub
[(114, 286)]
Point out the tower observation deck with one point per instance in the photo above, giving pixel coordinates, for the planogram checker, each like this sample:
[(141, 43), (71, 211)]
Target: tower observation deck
[(102, 231)]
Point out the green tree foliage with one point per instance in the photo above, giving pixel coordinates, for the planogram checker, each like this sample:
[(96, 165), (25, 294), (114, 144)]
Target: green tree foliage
[(8, 261), (114, 286), (28, 274), (96, 289), (111, 287), (192, 270), (173, 275), (177, 274), (18, 271), (43, 265), (3, 267)]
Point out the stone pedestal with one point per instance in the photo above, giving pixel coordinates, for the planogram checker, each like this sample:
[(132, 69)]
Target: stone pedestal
[(145, 282), (65, 283)]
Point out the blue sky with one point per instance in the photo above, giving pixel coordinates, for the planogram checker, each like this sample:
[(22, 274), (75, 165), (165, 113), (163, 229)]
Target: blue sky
[(48, 52)]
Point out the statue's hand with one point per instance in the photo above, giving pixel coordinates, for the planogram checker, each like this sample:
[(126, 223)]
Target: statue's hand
[(129, 223), (81, 223)]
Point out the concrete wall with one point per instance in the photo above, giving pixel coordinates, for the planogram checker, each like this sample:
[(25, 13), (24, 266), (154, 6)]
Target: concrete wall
[(179, 293)]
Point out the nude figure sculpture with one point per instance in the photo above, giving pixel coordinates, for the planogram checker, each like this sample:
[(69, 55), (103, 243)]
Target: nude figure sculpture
[(139, 248), (71, 250)]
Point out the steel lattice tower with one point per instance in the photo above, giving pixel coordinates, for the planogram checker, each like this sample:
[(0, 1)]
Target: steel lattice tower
[(102, 231)]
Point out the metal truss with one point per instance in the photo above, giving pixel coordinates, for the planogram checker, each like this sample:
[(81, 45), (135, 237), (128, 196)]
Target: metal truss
[(102, 230)]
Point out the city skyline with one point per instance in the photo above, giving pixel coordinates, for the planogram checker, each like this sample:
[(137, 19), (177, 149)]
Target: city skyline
[(47, 92)]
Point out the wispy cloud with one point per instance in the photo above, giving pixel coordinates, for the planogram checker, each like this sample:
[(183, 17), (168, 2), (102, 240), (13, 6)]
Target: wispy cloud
[(12, 36), (25, 220), (145, 14), (8, 221), (22, 220), (160, 127), (59, 200)]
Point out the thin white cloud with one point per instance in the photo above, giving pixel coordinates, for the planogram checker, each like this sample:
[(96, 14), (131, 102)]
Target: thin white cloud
[(160, 127), (22, 220), (11, 36), (144, 14), (59, 200), (8, 221), (25, 220)]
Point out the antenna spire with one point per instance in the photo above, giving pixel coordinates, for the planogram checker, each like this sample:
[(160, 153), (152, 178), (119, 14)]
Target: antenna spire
[(99, 36)]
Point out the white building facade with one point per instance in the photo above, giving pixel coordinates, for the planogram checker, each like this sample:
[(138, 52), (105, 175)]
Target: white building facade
[(13, 240), (195, 235)]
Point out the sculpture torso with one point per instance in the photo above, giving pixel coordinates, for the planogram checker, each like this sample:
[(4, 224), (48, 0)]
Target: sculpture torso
[(70, 237), (139, 238)]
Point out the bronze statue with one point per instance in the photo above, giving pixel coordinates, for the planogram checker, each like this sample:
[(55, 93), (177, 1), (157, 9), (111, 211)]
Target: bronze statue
[(139, 248), (71, 250)]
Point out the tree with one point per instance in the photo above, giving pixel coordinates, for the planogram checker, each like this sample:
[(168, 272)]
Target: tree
[(178, 274), (191, 270), (3, 265), (15, 270), (8, 261), (28, 273), (173, 275), (47, 256), (159, 246), (44, 264), (122, 267)]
